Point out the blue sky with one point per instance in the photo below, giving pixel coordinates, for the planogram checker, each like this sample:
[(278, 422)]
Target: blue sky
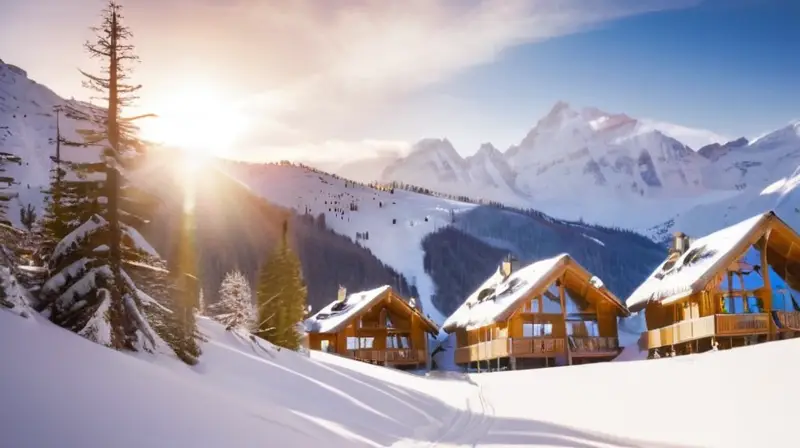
[(729, 66), (304, 79)]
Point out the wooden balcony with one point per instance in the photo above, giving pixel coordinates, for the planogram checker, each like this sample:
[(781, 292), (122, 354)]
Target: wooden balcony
[(704, 327), (789, 320), (388, 356), (506, 347), (536, 347), (592, 346)]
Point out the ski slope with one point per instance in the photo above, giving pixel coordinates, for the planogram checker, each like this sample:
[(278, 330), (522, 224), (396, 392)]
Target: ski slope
[(60, 390), (398, 245)]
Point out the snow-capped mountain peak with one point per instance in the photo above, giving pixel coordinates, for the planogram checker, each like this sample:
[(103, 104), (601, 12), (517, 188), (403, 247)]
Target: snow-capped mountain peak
[(787, 135), (488, 148), (604, 157)]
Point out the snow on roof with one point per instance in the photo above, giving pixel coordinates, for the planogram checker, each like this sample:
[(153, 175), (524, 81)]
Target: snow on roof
[(335, 314), (478, 311), (673, 281)]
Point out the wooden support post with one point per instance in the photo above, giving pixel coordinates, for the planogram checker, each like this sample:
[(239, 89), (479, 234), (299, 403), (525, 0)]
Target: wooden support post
[(767, 287), (478, 351), (563, 297)]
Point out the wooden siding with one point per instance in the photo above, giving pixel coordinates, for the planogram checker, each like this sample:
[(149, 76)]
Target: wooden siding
[(388, 319), (702, 315), (508, 338)]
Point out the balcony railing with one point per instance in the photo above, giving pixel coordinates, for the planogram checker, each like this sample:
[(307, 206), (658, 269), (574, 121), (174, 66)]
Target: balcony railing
[(708, 326), (789, 320), (505, 347), (389, 355), (536, 346), (593, 345)]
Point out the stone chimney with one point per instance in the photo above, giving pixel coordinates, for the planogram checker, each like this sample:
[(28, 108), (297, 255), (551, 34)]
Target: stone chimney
[(509, 266), (680, 243), (342, 294)]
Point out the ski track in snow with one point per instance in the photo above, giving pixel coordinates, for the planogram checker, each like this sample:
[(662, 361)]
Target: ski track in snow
[(462, 428)]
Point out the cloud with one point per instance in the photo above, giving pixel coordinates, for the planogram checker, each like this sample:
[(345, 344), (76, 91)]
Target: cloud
[(314, 71), (332, 153)]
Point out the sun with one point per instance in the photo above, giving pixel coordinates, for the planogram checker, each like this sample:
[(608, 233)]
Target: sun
[(195, 117)]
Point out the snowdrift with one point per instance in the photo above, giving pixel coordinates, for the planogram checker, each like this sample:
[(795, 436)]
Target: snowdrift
[(59, 390)]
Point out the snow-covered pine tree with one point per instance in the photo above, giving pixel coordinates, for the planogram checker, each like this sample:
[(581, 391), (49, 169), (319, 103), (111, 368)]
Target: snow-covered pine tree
[(201, 304), (89, 291), (73, 194), (281, 296), (13, 295), (235, 306), (6, 182), (184, 291)]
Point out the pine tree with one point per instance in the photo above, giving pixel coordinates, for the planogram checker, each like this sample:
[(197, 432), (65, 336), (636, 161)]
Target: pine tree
[(13, 295), (6, 182), (89, 291), (27, 216), (201, 304), (235, 306), (184, 291), (281, 296), (73, 195)]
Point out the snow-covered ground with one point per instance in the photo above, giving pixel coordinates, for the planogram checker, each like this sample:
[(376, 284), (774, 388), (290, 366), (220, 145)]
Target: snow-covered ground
[(60, 390), (398, 245)]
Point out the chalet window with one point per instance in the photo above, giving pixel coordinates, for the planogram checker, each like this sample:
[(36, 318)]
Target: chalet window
[(733, 305), (551, 300), (532, 306), (584, 328), (354, 343), (397, 341), (533, 330), (326, 346)]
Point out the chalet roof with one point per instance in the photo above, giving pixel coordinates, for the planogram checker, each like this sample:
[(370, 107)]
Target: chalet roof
[(704, 257), (479, 311), (335, 316)]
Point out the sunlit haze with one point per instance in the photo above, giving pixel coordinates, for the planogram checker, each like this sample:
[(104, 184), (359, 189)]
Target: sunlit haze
[(331, 80)]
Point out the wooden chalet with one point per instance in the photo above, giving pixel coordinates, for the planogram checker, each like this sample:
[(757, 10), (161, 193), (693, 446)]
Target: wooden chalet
[(549, 313), (734, 287), (376, 326)]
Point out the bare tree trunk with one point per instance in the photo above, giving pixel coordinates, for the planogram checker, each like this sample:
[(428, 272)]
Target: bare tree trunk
[(112, 190)]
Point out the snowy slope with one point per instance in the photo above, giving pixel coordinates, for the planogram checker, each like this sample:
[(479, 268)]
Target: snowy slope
[(398, 245), (240, 395), (245, 394), (27, 125)]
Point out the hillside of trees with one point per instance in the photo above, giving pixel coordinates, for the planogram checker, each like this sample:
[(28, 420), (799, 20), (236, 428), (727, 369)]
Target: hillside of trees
[(461, 257), (235, 229)]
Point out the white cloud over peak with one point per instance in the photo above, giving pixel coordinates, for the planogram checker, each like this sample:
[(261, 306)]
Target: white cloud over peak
[(307, 72), (335, 67)]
